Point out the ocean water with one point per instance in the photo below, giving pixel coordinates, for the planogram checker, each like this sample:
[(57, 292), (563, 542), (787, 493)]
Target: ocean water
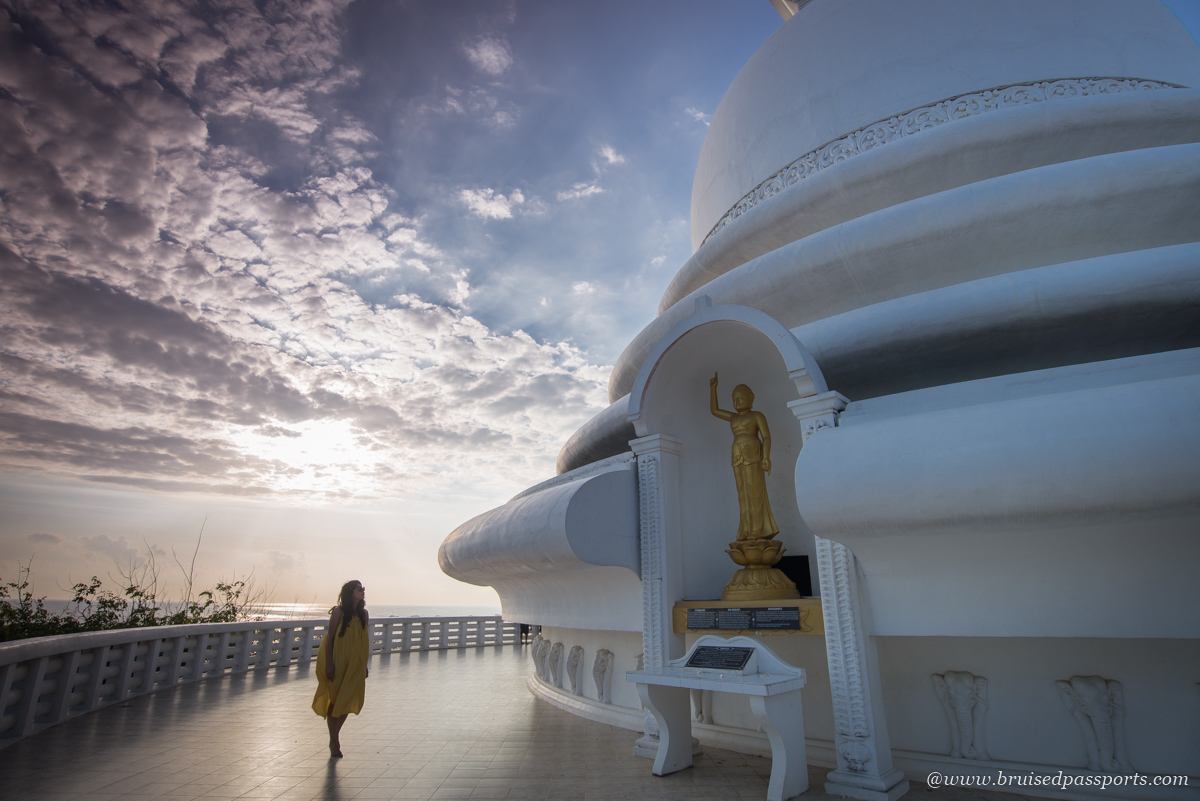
[(308, 611), (294, 611)]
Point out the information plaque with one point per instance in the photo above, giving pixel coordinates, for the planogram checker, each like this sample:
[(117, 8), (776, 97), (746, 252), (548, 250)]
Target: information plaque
[(702, 618), (777, 617), (715, 657), (745, 619)]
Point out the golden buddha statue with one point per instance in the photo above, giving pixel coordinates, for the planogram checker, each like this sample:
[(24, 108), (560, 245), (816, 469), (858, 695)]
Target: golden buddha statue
[(754, 547)]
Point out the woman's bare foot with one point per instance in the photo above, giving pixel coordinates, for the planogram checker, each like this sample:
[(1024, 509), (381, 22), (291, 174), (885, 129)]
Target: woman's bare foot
[(335, 750)]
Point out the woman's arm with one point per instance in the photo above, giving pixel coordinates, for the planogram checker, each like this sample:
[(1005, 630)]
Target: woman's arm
[(335, 620), (367, 626)]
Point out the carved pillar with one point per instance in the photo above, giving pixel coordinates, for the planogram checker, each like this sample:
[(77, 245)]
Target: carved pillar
[(662, 562), (864, 752), (662, 568)]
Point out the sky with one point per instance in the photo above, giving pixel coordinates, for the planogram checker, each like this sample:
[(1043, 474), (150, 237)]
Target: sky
[(309, 284), (323, 280)]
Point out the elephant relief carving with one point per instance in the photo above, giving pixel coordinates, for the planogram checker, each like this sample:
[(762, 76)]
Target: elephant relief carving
[(538, 649), (554, 665), (1097, 706), (964, 698), (602, 670), (575, 669)]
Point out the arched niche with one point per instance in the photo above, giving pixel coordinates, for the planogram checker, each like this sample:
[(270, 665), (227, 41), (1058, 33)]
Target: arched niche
[(671, 397)]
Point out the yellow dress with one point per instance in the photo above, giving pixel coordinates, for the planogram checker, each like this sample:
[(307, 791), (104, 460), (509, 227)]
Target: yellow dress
[(345, 693)]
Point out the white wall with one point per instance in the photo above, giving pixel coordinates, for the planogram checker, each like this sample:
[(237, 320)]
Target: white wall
[(841, 64)]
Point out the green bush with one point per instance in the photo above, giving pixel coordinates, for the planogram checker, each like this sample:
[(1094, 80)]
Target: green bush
[(95, 608)]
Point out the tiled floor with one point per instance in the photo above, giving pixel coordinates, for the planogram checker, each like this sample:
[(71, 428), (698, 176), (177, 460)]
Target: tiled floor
[(438, 725)]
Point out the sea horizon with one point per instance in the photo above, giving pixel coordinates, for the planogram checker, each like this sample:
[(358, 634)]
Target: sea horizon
[(310, 611)]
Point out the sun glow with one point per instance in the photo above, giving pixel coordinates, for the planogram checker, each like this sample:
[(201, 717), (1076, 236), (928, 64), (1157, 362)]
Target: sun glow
[(321, 457)]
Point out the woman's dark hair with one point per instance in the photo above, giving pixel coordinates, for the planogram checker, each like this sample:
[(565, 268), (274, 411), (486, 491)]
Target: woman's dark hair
[(349, 608)]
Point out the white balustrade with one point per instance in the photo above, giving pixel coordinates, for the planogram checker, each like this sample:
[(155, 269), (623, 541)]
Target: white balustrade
[(46, 680)]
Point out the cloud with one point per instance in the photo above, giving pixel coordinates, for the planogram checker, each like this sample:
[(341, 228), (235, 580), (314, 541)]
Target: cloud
[(281, 561), (46, 538), (697, 115), (579, 190), (205, 289), (489, 55), (118, 549), (489, 204), (610, 156), (583, 288)]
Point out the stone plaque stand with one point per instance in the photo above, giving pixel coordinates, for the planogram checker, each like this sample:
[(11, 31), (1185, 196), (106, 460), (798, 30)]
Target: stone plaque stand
[(774, 694)]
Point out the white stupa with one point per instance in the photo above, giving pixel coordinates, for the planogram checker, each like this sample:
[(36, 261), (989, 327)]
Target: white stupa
[(953, 246)]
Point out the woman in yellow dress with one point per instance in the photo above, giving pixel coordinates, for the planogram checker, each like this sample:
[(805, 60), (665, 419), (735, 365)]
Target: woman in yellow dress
[(342, 662)]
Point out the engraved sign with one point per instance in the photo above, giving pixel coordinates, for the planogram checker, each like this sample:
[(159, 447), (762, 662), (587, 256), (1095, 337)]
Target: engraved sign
[(777, 618), (737, 619), (713, 657)]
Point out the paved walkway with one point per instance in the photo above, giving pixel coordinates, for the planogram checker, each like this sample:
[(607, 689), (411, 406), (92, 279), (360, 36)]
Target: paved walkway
[(437, 725)]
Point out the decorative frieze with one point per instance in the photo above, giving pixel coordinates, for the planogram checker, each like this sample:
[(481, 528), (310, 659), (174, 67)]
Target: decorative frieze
[(575, 669), (602, 671), (964, 698), (1098, 707), (921, 119), (554, 665)]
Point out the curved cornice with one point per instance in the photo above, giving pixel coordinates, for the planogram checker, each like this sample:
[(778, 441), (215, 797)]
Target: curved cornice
[(920, 119), (801, 366)]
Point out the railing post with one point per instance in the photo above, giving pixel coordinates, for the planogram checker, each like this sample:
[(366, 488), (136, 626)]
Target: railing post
[(266, 646), (241, 659), (6, 681), (172, 676), (387, 636), (317, 638), (223, 652), (95, 678), (203, 666), (66, 683), (262, 645), (212, 659), (194, 658), (286, 636), (424, 634), (406, 636), (306, 649), (31, 691), (126, 666)]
